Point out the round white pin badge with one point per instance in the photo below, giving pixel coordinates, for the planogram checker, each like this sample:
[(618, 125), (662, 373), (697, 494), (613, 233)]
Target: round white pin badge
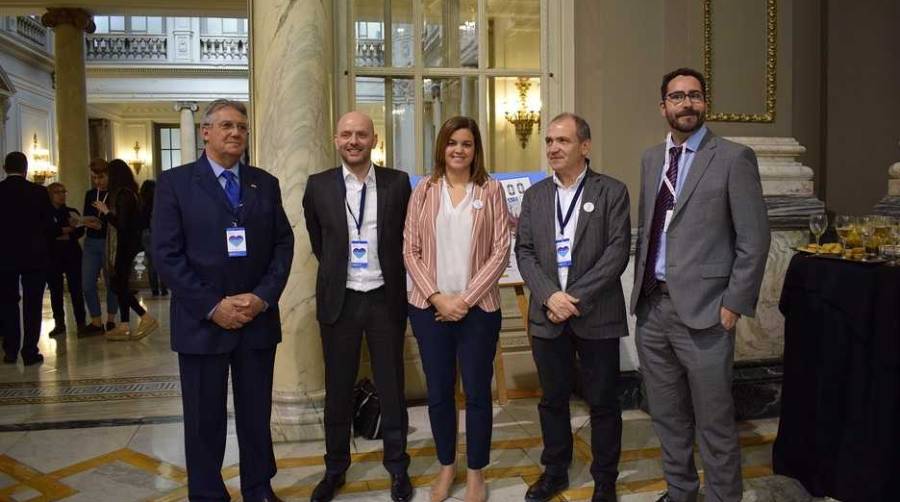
[(589, 207), (477, 204)]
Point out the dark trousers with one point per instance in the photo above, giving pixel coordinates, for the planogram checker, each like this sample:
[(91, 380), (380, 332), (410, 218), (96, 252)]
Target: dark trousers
[(68, 265), (472, 342), (599, 367), (14, 337), (364, 313), (204, 393), (156, 285), (119, 284)]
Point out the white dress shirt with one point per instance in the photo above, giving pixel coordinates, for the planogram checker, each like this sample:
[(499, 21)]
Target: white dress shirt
[(565, 199), (453, 236), (369, 278)]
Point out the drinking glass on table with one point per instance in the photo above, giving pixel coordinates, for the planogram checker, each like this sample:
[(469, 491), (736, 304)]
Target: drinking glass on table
[(818, 223), (867, 232), (843, 225)]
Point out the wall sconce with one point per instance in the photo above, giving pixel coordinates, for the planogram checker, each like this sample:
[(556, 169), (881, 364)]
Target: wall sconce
[(137, 163), (378, 154), (524, 119), (40, 159)]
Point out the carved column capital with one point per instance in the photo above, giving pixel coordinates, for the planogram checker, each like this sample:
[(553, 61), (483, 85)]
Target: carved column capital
[(189, 105), (79, 18)]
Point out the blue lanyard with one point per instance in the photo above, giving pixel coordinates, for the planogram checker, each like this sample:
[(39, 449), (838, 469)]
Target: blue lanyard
[(362, 210), (559, 215)]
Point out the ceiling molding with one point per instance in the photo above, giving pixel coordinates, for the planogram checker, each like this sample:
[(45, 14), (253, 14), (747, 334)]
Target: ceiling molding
[(185, 8)]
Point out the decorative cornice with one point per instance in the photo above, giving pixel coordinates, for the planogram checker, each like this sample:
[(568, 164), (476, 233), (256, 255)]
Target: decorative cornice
[(79, 18), (771, 63), (98, 70), (14, 46)]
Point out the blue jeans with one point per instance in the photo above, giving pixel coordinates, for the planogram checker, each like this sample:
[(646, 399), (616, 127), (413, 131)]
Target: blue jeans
[(91, 266), (472, 342)]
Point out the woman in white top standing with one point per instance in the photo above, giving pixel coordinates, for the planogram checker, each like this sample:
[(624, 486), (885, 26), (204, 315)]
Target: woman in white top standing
[(456, 247)]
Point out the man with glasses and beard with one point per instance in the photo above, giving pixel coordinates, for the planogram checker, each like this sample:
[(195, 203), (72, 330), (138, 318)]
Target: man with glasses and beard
[(703, 239)]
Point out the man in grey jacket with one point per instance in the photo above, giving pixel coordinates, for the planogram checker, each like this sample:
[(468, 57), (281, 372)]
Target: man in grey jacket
[(703, 239), (572, 245)]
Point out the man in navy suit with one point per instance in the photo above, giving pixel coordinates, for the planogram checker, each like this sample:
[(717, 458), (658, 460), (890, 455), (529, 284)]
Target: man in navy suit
[(29, 219), (223, 244)]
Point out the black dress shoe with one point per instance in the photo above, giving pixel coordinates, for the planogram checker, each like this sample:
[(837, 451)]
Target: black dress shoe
[(546, 487), (59, 329), (326, 488), (10, 359), (401, 488), (664, 498), (604, 492), (31, 360), (110, 326)]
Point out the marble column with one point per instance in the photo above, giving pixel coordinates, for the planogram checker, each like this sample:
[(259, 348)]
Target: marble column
[(69, 27), (292, 77), (890, 204), (188, 130), (788, 190)]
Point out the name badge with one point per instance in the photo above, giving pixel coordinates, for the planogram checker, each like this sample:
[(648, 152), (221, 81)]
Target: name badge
[(359, 254), (668, 220), (564, 252), (236, 241)]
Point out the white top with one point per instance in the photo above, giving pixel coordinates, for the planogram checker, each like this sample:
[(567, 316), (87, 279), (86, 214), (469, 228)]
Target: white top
[(453, 236), (363, 279), (565, 199)]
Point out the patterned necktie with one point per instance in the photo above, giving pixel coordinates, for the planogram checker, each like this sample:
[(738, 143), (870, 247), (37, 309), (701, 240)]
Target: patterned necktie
[(664, 202), (232, 188)]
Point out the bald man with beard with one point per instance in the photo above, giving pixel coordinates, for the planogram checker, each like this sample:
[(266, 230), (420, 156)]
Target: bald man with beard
[(355, 214)]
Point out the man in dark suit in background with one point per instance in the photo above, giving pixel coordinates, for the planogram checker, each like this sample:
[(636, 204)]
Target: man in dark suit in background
[(65, 253), (28, 217), (703, 240), (573, 241), (223, 244), (355, 215)]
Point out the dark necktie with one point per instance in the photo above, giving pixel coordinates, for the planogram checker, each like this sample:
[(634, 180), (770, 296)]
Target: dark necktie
[(232, 188), (664, 202)]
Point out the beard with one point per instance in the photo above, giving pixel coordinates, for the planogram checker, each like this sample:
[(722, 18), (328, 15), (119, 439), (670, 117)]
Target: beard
[(674, 124)]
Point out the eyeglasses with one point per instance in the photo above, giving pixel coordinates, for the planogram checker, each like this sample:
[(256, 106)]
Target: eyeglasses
[(227, 126), (676, 98)]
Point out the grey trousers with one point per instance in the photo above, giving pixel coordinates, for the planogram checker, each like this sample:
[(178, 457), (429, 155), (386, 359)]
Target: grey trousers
[(687, 374)]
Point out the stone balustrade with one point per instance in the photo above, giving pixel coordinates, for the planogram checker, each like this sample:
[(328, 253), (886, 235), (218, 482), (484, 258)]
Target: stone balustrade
[(129, 47), (224, 48)]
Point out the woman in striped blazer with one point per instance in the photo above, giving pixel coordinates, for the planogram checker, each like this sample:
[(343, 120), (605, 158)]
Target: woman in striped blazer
[(456, 247)]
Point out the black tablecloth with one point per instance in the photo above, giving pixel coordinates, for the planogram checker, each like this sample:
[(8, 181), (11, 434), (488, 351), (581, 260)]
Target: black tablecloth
[(839, 432)]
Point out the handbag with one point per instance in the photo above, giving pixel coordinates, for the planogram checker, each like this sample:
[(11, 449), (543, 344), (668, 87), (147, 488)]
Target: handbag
[(366, 410)]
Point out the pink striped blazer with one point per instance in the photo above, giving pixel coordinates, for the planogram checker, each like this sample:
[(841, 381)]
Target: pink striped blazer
[(490, 244)]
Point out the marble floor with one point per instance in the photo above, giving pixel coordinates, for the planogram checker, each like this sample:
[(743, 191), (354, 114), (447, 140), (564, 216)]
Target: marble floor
[(101, 421)]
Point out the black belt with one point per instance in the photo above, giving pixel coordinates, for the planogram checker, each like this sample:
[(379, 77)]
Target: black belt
[(378, 290)]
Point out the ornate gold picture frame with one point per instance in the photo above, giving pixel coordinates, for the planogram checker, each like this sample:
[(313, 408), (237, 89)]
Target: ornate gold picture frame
[(771, 61)]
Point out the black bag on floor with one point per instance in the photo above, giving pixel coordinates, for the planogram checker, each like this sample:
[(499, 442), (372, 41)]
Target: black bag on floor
[(366, 410)]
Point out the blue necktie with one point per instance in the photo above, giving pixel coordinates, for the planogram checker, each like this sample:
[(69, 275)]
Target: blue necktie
[(232, 188)]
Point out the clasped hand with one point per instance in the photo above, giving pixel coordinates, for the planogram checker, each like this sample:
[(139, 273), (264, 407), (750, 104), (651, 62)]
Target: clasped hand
[(561, 306), (449, 307), (234, 312)]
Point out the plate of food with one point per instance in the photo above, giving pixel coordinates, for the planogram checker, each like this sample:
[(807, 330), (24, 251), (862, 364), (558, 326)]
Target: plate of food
[(831, 248)]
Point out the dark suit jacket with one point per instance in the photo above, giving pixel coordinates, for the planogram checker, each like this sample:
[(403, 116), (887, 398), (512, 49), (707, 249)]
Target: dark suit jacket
[(190, 215), (326, 221), (602, 245), (28, 222), (718, 239)]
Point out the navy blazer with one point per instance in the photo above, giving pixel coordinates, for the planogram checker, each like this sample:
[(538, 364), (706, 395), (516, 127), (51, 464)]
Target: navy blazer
[(29, 225), (190, 215)]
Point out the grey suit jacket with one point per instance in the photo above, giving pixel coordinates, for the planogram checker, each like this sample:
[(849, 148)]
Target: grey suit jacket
[(718, 239), (600, 255)]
